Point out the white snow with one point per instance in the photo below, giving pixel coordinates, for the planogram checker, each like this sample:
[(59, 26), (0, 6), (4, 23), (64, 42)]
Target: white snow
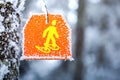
[(2, 28), (94, 1), (72, 17), (73, 4), (3, 70), (21, 6), (11, 44), (2, 10), (42, 4), (1, 1)]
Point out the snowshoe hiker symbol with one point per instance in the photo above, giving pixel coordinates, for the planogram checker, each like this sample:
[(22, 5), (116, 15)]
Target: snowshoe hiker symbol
[(50, 34)]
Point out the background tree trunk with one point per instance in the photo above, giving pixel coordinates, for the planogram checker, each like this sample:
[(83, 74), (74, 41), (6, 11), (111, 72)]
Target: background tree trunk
[(79, 41), (10, 39)]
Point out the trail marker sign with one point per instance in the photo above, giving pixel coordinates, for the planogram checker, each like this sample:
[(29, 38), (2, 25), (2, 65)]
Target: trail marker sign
[(49, 41)]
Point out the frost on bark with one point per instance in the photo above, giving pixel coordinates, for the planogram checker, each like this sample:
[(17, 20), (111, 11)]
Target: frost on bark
[(10, 40)]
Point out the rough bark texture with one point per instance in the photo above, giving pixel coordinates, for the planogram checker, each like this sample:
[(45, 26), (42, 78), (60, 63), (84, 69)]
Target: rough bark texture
[(9, 42)]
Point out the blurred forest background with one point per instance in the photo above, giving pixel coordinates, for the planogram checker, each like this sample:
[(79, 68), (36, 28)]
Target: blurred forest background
[(95, 28)]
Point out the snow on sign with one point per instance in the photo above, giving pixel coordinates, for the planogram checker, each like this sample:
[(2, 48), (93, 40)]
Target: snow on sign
[(47, 41)]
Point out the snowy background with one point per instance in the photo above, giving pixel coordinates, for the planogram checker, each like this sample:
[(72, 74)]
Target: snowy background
[(101, 50)]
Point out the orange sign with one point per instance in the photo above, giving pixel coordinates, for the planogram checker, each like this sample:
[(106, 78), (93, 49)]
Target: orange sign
[(47, 40)]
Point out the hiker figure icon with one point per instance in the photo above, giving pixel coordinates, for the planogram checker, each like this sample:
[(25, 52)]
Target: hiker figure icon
[(51, 35)]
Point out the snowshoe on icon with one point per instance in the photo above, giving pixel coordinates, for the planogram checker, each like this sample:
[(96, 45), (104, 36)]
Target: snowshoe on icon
[(43, 49), (52, 47)]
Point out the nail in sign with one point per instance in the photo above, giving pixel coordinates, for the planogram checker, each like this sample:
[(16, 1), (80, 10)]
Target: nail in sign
[(47, 41)]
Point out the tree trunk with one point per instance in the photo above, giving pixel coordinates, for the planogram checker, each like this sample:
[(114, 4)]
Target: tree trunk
[(10, 43), (79, 41)]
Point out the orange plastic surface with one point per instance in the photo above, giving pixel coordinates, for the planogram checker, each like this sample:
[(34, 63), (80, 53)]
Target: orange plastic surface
[(47, 41)]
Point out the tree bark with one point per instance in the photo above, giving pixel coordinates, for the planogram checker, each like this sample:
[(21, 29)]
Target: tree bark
[(10, 43)]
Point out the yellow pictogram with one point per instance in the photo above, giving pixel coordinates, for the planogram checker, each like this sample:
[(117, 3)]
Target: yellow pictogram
[(50, 34)]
